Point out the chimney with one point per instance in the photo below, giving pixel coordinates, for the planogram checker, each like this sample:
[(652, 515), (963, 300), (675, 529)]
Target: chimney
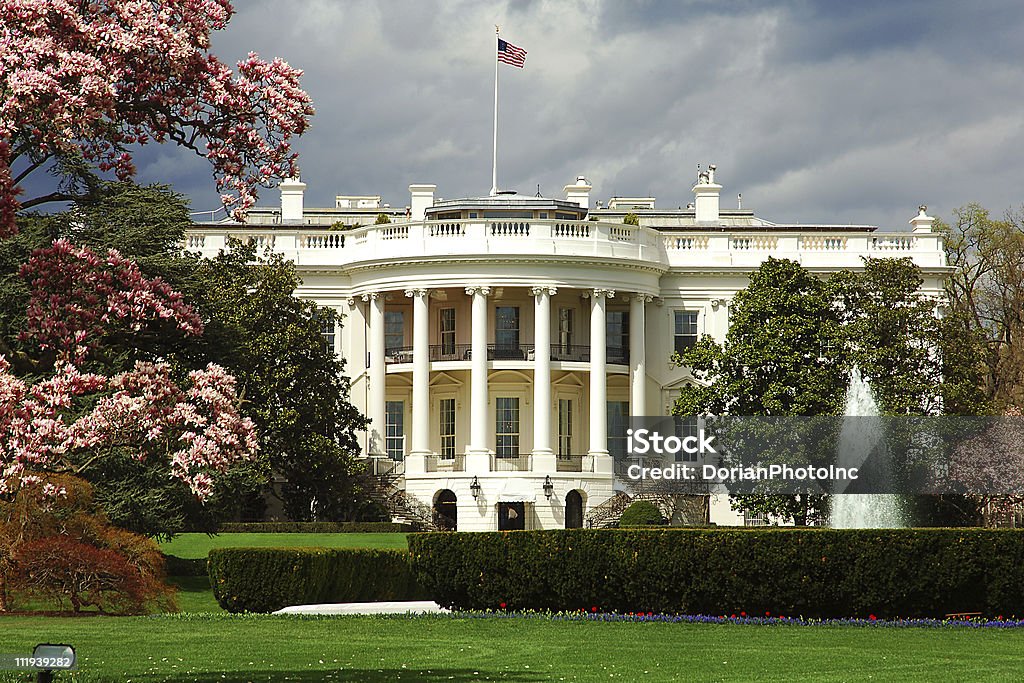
[(579, 192), (292, 190), (706, 195), (422, 198), (922, 222)]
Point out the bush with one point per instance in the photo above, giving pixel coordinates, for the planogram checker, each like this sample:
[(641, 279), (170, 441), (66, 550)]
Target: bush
[(809, 572), (267, 579), (313, 528), (61, 567), (641, 513)]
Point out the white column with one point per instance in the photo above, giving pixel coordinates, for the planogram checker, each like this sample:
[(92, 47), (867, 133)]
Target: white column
[(543, 456), (599, 381), (375, 409), (637, 354), (477, 454), (416, 462)]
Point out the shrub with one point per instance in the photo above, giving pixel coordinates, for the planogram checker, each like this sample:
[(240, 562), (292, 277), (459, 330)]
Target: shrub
[(641, 513), (61, 567), (809, 572), (313, 528), (631, 219), (267, 579), (382, 219)]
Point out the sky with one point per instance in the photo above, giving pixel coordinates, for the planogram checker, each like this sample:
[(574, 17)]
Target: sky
[(817, 112)]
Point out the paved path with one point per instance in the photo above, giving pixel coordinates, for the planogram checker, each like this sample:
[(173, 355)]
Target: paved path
[(409, 607)]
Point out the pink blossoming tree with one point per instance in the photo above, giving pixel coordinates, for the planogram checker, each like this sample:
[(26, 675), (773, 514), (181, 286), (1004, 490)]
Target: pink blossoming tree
[(84, 81)]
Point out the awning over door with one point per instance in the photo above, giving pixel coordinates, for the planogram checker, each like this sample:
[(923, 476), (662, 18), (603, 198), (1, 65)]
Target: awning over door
[(517, 492)]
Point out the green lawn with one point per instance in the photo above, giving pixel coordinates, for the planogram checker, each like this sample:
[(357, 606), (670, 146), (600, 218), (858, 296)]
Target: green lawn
[(264, 648), (199, 545)]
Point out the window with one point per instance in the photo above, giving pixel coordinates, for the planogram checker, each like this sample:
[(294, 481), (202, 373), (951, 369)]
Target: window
[(565, 329), (686, 426), (618, 422), (394, 330), (685, 330), (617, 336), (506, 428), (394, 429), (447, 327), (447, 411), (328, 330), (565, 426), (506, 328)]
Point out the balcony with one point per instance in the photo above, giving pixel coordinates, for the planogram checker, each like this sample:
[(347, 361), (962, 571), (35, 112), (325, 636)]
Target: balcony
[(437, 463), (572, 353), (572, 463), (519, 463), (831, 246)]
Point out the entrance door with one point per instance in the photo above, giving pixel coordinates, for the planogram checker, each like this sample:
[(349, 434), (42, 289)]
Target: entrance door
[(573, 510), (511, 516), (446, 511)]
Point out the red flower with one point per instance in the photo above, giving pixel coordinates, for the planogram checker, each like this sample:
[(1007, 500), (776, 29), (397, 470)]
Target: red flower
[(872, 617), (593, 609), (743, 614), (502, 605), (767, 614)]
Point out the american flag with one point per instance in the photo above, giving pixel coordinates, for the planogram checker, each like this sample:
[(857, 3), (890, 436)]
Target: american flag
[(510, 54)]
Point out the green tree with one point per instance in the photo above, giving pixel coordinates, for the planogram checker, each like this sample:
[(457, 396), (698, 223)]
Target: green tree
[(293, 385), (986, 289), (793, 338)]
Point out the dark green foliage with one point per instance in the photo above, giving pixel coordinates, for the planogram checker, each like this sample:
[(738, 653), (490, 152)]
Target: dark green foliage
[(792, 572), (185, 566), (267, 579), (641, 513), (313, 528), (631, 219)]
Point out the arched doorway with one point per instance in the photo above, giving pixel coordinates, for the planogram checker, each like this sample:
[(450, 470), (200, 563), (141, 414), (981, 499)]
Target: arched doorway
[(573, 510), (446, 512)]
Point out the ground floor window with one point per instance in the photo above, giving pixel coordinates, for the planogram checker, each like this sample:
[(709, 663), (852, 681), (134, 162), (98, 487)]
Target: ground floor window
[(565, 426), (506, 428), (618, 423), (447, 411), (394, 429)]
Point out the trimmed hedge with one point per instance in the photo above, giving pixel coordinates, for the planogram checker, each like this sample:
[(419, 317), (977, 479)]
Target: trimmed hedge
[(641, 513), (792, 572), (313, 528), (267, 579)]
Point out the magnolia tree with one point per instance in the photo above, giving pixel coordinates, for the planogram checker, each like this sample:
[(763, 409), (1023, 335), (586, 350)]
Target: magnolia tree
[(84, 81), (990, 467), (81, 84)]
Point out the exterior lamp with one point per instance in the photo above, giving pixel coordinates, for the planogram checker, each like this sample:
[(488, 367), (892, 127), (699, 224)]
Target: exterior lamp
[(474, 487), (549, 488)]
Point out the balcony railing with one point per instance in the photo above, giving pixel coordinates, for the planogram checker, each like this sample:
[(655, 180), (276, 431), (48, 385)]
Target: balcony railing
[(519, 463), (437, 463), (571, 463), (573, 353)]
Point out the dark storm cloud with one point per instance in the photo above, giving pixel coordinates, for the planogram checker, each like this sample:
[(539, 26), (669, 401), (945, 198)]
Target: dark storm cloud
[(816, 112)]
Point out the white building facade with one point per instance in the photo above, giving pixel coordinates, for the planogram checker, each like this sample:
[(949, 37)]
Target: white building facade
[(499, 344)]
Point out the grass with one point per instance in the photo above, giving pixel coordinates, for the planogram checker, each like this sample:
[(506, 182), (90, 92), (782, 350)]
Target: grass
[(263, 648), (199, 545)]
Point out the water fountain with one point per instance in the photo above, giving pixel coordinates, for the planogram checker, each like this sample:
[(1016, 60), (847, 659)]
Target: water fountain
[(859, 439)]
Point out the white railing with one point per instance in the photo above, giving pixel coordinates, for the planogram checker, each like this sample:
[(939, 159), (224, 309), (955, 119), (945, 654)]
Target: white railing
[(590, 241)]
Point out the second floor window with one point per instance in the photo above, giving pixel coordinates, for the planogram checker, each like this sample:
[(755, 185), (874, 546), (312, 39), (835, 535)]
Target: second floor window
[(617, 336), (565, 329), (506, 327), (394, 330), (685, 330), (447, 326), (328, 331)]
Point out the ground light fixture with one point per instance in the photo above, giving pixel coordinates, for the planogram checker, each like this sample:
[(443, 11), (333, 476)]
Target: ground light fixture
[(474, 487), (549, 488)]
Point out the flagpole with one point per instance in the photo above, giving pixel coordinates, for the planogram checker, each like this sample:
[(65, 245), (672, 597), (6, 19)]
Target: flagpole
[(494, 168)]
